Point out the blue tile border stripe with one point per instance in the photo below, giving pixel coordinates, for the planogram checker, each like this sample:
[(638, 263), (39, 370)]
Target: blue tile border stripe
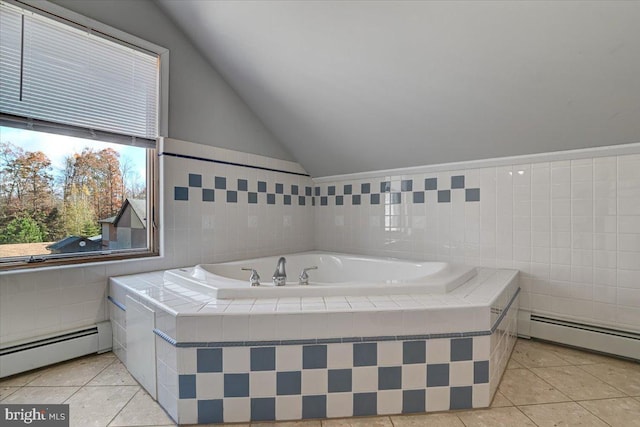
[(116, 303), (224, 162), (311, 341)]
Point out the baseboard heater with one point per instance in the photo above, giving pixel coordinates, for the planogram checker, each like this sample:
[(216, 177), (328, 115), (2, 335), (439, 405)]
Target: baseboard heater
[(600, 339), (25, 356)]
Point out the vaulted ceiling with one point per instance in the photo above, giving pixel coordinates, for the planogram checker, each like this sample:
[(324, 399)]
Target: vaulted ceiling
[(351, 86)]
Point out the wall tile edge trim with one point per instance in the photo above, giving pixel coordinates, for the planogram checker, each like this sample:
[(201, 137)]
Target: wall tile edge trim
[(117, 304), (310, 341), (583, 153), (224, 162)]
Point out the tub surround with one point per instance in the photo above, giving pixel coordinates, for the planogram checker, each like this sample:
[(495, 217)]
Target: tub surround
[(295, 358)]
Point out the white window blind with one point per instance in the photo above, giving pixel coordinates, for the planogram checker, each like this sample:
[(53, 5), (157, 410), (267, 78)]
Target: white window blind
[(63, 78)]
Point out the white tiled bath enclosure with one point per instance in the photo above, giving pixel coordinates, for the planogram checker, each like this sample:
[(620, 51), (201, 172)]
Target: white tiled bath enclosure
[(314, 357)]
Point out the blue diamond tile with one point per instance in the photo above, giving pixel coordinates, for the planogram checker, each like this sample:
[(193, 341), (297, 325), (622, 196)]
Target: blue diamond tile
[(302, 200), (431, 184), (481, 372), (252, 197), (365, 354), (323, 201), (365, 404), (271, 199), (180, 193), (355, 199), (195, 180), (279, 188), (314, 406), (209, 360), (339, 380), (232, 196), (287, 199), (294, 190), (418, 197), (331, 190), (236, 385), (220, 183), (472, 195), (262, 187), (187, 386), (314, 356), (210, 411), (288, 383), (348, 189), (406, 185), (460, 397), (438, 375), (414, 352), (317, 191), (263, 409), (385, 186), (444, 196), (461, 349), (365, 188), (208, 195), (413, 401), (389, 377), (396, 198), (243, 185), (375, 199), (339, 200), (457, 181), (263, 359), (307, 191)]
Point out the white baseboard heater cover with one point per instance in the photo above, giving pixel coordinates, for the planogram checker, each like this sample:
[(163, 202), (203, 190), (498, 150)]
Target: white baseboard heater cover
[(44, 351), (604, 340)]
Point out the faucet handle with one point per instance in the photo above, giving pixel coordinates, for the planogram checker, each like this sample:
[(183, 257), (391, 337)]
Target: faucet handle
[(255, 277), (304, 277)]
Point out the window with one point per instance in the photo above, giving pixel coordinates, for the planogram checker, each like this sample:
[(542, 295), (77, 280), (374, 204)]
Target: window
[(78, 128)]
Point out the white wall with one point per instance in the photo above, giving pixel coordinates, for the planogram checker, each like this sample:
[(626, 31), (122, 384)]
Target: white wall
[(571, 226)]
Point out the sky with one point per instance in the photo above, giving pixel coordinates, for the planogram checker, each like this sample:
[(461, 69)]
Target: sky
[(57, 147)]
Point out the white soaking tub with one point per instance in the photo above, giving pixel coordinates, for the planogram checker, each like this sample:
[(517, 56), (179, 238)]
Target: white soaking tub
[(337, 275)]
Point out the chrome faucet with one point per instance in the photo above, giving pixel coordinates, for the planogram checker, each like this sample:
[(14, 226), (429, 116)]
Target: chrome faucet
[(303, 279), (280, 275)]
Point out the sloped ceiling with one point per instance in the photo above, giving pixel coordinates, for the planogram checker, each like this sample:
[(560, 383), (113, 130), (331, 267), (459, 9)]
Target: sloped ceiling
[(351, 86)]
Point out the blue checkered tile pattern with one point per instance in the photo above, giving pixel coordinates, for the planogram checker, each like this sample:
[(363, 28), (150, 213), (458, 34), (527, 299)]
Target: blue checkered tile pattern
[(394, 192), (219, 188), (369, 378)]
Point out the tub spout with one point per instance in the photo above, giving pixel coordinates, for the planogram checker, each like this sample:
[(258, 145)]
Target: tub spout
[(280, 275)]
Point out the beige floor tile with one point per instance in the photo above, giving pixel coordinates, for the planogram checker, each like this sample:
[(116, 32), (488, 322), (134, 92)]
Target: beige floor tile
[(142, 410), (495, 417), (431, 420), (97, 406), (306, 423), (578, 357), (6, 391), (513, 364), (623, 412), (523, 387), (358, 422), (21, 379), (499, 401), (114, 374), (76, 372), (533, 354), (41, 395), (561, 414), (622, 375), (577, 383)]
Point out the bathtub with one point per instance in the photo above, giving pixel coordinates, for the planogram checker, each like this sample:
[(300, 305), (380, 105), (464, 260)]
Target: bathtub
[(337, 275)]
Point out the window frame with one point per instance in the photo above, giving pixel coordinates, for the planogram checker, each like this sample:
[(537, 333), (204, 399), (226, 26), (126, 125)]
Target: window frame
[(58, 13)]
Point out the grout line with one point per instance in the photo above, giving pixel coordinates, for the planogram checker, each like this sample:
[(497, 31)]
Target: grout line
[(124, 406)]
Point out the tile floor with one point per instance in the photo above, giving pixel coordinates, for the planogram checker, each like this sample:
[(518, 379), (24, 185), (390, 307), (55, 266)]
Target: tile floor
[(544, 385)]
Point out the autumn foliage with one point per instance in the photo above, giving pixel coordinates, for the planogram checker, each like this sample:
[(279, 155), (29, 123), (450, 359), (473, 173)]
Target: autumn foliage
[(38, 203)]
